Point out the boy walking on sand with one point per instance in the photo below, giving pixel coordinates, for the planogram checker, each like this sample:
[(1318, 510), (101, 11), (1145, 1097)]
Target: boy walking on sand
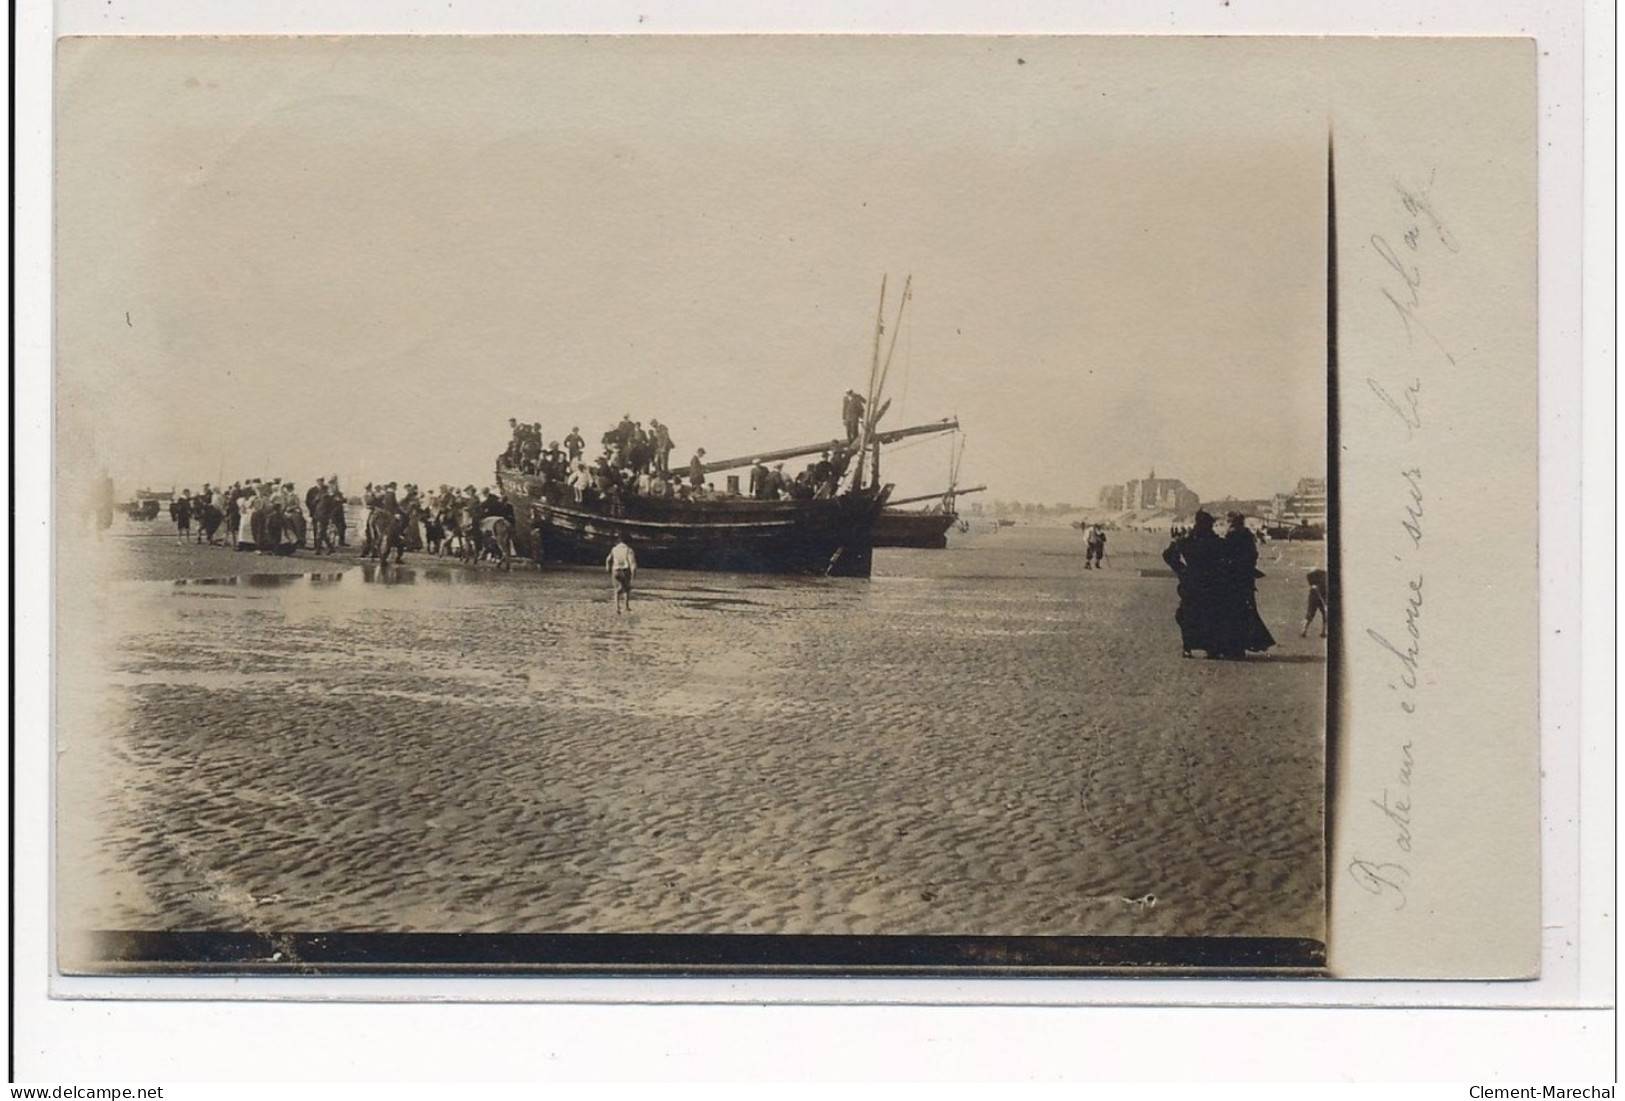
[(622, 565)]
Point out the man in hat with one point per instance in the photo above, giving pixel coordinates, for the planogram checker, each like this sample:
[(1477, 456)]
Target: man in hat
[(489, 504), (1094, 553), (662, 446), (510, 455), (852, 413), (823, 474), (696, 469), (315, 493), (574, 444)]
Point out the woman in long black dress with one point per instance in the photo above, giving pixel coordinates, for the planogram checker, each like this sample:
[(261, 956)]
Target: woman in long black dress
[(1197, 558), (1218, 610), (1245, 628)]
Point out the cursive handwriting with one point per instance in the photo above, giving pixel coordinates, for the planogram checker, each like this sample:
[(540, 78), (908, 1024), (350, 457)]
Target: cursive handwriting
[(1410, 273), (1407, 407), (1424, 226), (1410, 251), (1412, 523), (1420, 203), (1381, 878), (1397, 807), (1410, 654)]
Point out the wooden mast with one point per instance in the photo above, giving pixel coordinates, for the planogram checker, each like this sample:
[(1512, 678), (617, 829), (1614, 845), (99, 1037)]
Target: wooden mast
[(948, 424), (872, 409), (944, 496), (867, 423)]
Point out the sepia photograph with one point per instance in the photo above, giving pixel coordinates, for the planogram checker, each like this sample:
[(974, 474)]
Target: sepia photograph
[(678, 505), (734, 543)]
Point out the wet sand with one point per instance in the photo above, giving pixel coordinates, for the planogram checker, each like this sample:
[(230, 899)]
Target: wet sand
[(983, 740)]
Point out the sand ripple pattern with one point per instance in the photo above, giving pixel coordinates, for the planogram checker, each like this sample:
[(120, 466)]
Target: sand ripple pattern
[(985, 740)]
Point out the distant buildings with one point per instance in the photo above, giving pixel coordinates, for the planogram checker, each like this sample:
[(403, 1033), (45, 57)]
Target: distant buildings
[(1150, 492), (1304, 505)]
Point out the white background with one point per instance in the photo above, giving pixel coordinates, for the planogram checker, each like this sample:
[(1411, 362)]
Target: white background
[(935, 1030)]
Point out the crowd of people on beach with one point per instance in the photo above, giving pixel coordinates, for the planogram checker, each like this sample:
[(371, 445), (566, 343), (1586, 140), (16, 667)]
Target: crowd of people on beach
[(271, 517), (266, 516), (635, 462)]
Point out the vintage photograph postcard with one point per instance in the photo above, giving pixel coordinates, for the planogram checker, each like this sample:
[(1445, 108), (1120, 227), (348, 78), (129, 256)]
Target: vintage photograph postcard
[(789, 505)]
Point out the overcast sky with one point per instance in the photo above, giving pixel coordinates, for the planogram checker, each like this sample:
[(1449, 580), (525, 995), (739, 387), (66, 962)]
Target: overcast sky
[(296, 257)]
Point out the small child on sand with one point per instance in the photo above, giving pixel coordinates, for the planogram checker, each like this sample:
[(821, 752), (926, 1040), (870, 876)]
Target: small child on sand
[(1319, 602), (622, 564)]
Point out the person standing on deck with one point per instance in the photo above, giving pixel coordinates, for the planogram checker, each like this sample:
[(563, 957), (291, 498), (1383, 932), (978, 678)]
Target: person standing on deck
[(852, 413), (662, 446), (696, 469), (574, 444), (622, 565)]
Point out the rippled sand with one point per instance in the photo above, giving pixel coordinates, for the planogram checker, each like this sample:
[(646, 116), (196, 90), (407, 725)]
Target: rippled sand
[(983, 740)]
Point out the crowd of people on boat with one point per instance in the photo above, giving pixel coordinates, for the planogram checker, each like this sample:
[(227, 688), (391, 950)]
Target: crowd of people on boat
[(635, 462)]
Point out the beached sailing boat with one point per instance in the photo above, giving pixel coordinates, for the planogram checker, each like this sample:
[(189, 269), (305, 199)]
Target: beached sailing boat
[(829, 534), (927, 528), (922, 529)]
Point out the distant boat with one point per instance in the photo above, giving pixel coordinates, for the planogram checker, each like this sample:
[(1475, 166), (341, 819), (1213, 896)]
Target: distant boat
[(1295, 532), (147, 503)]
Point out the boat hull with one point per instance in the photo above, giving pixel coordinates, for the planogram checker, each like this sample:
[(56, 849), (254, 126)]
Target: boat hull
[(832, 536), (919, 530)]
